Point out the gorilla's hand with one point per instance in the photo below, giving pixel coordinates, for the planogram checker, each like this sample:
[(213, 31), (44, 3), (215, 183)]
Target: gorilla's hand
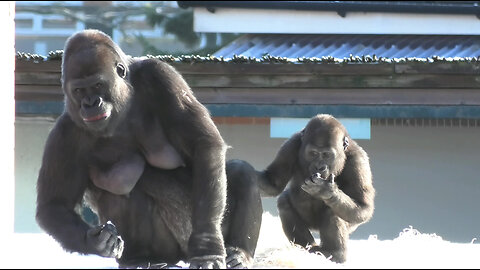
[(207, 262), (237, 258), (319, 187), (105, 241)]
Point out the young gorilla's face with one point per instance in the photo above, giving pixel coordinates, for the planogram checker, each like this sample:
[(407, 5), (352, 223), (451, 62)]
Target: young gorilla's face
[(322, 149)]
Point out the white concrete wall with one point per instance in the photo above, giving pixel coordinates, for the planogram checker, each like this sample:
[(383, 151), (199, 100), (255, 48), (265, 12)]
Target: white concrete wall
[(425, 177)]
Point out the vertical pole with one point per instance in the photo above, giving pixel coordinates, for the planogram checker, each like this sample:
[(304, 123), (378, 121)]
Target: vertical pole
[(7, 118)]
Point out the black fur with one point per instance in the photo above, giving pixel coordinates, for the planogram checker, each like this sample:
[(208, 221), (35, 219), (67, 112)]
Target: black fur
[(330, 189), (138, 147)]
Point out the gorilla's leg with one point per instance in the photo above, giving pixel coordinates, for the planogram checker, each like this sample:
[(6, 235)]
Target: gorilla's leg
[(153, 220), (333, 237), (143, 229), (294, 227), (243, 216)]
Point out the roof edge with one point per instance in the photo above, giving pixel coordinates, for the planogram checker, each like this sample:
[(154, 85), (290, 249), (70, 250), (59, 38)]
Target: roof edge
[(341, 7), (57, 56)]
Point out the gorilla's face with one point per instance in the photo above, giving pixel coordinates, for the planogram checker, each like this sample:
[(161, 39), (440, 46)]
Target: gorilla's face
[(319, 159), (322, 151), (97, 93)]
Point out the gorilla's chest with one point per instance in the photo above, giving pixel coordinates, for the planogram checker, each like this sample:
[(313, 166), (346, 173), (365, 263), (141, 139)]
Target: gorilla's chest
[(105, 152), (116, 163), (146, 138), (155, 146)]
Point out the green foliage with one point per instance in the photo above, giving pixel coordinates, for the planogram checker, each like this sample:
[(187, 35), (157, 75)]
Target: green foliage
[(180, 24), (174, 21)]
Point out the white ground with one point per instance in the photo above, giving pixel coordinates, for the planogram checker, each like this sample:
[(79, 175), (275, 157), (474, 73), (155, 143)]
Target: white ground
[(411, 249)]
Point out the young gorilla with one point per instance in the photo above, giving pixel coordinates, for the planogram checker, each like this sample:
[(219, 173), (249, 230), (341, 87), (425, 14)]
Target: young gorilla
[(330, 187), (139, 148)]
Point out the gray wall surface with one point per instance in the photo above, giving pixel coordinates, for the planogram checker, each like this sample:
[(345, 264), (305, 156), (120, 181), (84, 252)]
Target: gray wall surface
[(426, 177), (30, 137)]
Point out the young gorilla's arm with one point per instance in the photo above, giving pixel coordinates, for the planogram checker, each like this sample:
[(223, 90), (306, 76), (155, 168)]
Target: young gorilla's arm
[(275, 177), (353, 202), (60, 189)]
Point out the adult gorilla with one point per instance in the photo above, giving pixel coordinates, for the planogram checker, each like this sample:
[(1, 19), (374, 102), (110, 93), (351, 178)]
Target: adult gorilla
[(330, 191), (136, 145)]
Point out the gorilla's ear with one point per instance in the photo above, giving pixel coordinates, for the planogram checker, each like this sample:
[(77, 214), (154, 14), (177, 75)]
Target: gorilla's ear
[(121, 70), (345, 143)]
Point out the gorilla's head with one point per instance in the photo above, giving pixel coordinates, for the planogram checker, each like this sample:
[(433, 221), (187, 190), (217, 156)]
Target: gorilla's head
[(94, 80), (324, 142)]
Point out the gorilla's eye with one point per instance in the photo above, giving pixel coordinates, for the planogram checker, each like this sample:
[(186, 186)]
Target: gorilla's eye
[(77, 90), (327, 155), (313, 154), (121, 70), (98, 85)]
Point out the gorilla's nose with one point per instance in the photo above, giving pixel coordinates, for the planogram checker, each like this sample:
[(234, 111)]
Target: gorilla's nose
[(322, 169), (91, 102)]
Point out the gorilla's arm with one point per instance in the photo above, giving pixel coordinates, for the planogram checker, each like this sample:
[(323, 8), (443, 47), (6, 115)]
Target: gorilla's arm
[(60, 188), (351, 194), (275, 177), (190, 129), (61, 183), (209, 197)]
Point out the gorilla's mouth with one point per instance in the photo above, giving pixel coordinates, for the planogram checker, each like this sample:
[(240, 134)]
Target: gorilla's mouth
[(98, 117), (323, 174)]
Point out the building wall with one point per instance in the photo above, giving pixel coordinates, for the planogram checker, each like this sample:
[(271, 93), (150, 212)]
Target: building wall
[(425, 177), (30, 137)]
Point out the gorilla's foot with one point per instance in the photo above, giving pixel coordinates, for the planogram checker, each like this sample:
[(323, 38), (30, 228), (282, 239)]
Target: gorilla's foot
[(207, 262), (147, 265), (338, 256)]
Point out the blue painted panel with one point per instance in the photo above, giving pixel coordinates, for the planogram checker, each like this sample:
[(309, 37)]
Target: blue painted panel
[(358, 128), (300, 111), (37, 107), (348, 111)]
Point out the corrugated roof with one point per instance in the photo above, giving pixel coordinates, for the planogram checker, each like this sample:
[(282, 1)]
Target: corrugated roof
[(341, 46)]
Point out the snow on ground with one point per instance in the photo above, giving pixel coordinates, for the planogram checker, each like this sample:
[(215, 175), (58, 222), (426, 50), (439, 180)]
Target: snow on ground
[(411, 249)]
